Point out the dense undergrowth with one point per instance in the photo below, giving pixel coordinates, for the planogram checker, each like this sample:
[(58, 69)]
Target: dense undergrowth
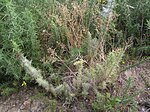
[(76, 51)]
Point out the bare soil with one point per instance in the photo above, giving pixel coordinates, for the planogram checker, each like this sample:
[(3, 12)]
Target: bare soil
[(140, 76), (26, 100)]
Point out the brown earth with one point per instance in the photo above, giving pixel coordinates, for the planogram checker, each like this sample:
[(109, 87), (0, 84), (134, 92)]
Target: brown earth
[(26, 100), (140, 76)]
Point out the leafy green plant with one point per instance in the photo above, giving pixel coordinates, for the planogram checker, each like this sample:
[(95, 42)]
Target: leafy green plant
[(126, 101), (7, 89), (132, 21)]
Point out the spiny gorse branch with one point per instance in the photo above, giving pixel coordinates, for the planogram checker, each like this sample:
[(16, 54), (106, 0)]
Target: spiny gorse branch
[(36, 74)]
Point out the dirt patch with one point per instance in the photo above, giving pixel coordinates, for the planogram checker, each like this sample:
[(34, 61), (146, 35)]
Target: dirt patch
[(23, 101), (140, 76)]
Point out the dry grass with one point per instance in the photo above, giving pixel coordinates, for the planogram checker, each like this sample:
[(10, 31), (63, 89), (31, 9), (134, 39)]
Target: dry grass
[(72, 18)]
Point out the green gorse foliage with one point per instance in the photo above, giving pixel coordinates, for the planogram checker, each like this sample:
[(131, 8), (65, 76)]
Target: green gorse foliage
[(132, 21)]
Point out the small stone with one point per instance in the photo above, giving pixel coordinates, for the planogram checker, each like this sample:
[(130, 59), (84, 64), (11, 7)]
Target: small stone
[(26, 105)]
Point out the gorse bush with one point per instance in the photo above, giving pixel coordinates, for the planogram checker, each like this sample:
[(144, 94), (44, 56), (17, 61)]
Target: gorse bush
[(132, 21), (18, 25)]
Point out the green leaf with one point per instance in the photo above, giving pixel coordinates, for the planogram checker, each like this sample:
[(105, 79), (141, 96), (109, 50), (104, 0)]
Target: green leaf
[(1, 55)]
